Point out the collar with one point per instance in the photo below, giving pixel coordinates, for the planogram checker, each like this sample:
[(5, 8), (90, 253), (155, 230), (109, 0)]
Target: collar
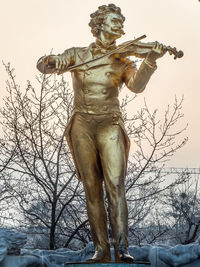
[(99, 48)]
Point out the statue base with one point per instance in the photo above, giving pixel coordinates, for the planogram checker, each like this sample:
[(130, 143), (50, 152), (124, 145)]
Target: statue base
[(106, 264)]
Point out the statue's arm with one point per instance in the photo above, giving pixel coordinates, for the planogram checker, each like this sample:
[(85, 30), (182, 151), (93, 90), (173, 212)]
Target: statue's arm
[(56, 63), (136, 80)]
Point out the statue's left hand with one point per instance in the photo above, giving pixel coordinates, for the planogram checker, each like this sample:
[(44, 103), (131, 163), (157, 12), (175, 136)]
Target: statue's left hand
[(157, 51)]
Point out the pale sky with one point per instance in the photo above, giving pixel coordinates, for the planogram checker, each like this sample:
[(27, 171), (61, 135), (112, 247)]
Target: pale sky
[(30, 29)]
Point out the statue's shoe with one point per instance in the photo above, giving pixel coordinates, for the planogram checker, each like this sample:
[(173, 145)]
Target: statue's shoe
[(100, 256), (126, 257)]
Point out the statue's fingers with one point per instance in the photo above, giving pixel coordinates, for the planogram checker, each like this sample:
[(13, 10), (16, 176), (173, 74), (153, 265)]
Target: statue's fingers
[(160, 47), (66, 63), (57, 63), (163, 49), (60, 63), (156, 45), (63, 63)]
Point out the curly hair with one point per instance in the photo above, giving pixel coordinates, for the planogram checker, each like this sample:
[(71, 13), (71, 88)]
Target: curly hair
[(97, 18)]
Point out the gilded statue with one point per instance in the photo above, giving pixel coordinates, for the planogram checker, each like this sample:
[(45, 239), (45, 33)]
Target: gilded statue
[(96, 134)]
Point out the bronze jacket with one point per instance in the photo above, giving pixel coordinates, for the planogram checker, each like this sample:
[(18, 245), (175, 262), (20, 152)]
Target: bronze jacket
[(96, 85)]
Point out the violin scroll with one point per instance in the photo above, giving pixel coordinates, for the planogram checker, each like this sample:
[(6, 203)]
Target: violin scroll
[(177, 54)]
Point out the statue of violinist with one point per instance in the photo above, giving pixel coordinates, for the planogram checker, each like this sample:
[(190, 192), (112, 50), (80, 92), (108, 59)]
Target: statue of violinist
[(96, 134)]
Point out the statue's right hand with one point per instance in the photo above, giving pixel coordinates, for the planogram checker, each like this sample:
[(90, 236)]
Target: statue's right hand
[(58, 62), (61, 63)]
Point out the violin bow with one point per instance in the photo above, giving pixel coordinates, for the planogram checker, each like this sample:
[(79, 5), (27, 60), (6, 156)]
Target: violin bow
[(105, 55)]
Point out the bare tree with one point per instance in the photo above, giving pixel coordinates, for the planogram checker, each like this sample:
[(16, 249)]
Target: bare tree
[(42, 175), (181, 207), (40, 172), (156, 139), (5, 201)]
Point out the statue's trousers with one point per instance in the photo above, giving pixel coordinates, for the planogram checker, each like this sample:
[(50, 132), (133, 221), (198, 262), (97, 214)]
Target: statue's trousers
[(100, 146)]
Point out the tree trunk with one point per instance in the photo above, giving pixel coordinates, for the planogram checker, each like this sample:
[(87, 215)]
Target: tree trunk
[(52, 244)]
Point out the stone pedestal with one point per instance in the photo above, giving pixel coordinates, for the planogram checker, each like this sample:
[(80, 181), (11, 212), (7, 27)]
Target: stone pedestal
[(112, 264), (24, 261)]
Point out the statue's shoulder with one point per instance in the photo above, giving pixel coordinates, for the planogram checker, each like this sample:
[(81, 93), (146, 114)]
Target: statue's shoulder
[(75, 49), (129, 63), (74, 53)]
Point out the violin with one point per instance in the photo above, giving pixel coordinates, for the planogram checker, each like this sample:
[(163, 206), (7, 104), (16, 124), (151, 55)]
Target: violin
[(132, 48), (139, 49)]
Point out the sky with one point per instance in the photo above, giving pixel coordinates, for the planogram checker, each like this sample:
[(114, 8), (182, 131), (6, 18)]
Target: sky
[(31, 29)]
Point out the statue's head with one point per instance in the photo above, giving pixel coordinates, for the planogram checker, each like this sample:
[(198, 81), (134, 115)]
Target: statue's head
[(108, 19)]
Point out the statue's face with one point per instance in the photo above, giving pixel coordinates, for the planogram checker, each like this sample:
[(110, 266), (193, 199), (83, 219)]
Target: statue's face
[(113, 25)]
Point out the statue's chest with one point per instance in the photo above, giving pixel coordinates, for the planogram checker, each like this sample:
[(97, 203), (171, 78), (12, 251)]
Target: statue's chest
[(105, 71)]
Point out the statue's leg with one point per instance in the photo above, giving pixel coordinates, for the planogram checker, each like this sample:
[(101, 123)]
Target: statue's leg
[(87, 160), (113, 158)]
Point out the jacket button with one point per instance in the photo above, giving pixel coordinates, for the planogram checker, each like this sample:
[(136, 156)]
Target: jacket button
[(108, 74)]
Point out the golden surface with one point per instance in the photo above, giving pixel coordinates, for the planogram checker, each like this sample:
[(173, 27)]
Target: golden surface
[(96, 134)]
